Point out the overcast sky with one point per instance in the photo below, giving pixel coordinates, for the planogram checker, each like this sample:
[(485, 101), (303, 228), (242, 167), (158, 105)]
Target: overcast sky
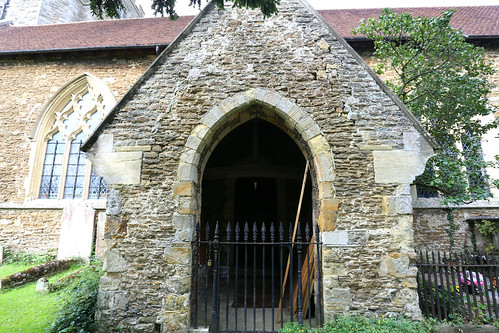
[(184, 9)]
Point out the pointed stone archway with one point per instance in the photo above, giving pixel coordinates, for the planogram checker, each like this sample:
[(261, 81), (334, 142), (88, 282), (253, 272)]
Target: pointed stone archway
[(237, 110), (225, 116)]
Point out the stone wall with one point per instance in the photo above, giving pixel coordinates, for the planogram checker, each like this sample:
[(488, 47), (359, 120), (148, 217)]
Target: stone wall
[(30, 230), (34, 12), (28, 82), (23, 12), (492, 55), (430, 225), (202, 86)]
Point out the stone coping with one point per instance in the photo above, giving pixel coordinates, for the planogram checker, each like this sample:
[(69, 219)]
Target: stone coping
[(436, 203), (98, 204)]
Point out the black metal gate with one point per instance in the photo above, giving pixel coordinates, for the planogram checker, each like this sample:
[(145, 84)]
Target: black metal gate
[(254, 277)]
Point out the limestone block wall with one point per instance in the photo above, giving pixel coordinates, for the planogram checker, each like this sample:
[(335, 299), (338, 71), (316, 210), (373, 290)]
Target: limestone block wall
[(228, 55), (27, 83)]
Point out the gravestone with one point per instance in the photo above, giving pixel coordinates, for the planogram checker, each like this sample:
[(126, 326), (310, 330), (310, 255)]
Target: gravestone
[(77, 231), (42, 285), (100, 245)]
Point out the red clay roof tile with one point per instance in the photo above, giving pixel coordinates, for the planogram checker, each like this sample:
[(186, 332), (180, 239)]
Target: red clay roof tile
[(475, 21)]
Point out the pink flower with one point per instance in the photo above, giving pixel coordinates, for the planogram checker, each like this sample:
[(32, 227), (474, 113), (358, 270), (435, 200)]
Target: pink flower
[(476, 280)]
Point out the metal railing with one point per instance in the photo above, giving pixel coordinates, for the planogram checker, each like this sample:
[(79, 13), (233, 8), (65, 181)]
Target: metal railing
[(458, 285), (240, 280)]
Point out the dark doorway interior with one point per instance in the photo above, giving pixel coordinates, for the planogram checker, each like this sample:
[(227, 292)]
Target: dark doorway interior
[(254, 175), (255, 199), (253, 180)]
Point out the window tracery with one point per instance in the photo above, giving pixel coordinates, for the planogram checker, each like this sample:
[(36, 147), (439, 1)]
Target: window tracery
[(60, 169)]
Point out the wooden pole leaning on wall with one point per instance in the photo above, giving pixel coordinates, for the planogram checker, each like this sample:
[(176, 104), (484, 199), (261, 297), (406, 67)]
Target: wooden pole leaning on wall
[(293, 238)]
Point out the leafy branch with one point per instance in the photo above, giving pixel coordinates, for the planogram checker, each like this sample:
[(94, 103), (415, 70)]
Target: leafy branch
[(444, 81), (113, 8)]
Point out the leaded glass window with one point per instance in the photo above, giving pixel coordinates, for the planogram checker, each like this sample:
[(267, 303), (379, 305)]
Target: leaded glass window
[(75, 175), (98, 187), (52, 167), (67, 174)]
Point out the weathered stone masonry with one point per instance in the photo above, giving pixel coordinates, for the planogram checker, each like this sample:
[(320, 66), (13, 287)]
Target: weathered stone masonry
[(27, 82), (161, 135)]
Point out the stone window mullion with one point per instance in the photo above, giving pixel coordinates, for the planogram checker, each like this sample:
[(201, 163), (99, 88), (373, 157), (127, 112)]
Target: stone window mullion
[(64, 171), (88, 174)]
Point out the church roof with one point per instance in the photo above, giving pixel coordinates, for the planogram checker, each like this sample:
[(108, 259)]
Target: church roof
[(476, 22)]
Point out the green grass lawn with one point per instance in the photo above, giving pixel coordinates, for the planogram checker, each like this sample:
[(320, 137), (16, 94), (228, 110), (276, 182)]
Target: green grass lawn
[(22, 309), (8, 269)]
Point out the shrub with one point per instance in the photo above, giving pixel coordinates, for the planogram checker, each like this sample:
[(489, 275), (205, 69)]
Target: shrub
[(294, 327), (76, 313), (26, 258), (358, 324)]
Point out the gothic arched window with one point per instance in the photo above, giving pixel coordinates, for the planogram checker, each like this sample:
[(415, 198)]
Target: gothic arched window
[(60, 169)]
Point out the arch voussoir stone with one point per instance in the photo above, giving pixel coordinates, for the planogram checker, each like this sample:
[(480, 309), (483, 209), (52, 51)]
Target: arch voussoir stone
[(296, 119)]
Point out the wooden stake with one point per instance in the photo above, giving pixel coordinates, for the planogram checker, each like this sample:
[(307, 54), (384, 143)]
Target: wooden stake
[(309, 268), (293, 238)]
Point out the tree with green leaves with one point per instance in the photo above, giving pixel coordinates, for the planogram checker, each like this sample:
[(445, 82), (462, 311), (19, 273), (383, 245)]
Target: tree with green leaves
[(112, 8), (444, 81)]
